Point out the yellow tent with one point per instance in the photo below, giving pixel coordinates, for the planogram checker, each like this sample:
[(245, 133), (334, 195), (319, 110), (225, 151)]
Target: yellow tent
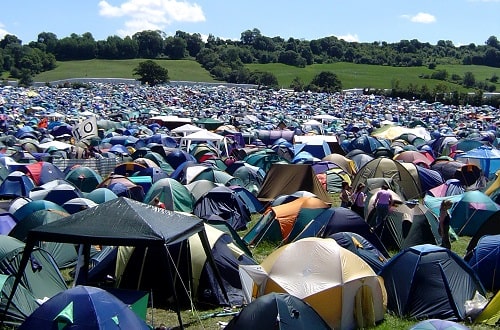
[(338, 284)]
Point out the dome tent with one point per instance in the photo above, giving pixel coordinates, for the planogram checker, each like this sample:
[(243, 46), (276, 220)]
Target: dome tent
[(428, 281), (289, 311), (338, 284)]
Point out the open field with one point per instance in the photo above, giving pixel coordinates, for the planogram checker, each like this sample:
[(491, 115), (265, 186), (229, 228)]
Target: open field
[(177, 70), (351, 75), (374, 76)]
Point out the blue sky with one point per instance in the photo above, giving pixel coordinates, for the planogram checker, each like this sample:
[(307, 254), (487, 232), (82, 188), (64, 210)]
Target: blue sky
[(461, 21)]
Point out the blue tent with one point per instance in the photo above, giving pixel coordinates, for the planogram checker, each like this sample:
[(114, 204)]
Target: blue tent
[(317, 148), (16, 184), (469, 211), (437, 324), (485, 260), (361, 247), (428, 281), (487, 158), (84, 307)]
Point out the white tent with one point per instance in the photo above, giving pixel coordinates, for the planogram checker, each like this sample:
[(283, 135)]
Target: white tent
[(186, 129), (205, 136), (338, 284)]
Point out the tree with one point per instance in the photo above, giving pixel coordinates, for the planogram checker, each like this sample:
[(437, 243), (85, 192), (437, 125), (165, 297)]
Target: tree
[(469, 79), (493, 42), (151, 43), (151, 73), (175, 48), (327, 82), (297, 84)]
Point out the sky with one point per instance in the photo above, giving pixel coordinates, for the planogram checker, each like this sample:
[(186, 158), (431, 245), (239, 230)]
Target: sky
[(460, 21)]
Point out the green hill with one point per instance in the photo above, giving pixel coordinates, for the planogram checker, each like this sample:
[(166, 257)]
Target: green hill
[(177, 70), (351, 75)]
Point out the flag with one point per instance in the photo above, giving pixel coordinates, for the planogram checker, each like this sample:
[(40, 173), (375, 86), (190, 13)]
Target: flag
[(86, 129)]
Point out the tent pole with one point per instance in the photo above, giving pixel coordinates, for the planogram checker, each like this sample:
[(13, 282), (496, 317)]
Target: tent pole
[(28, 248), (171, 266), (142, 267), (210, 257), (83, 273)]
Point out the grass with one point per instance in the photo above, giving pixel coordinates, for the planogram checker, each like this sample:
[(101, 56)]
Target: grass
[(374, 76), (177, 70), (351, 75)]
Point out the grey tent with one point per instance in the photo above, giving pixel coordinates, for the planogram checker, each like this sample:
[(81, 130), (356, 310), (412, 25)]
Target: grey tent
[(122, 222)]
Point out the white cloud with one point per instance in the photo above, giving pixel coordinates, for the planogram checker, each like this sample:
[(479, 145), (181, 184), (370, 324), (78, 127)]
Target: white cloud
[(141, 15), (3, 32), (349, 37), (423, 18)]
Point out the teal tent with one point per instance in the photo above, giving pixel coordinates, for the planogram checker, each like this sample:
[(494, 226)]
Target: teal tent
[(172, 193), (23, 302), (41, 276)]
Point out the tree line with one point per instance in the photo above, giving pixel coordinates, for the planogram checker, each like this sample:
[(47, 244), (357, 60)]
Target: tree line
[(225, 59)]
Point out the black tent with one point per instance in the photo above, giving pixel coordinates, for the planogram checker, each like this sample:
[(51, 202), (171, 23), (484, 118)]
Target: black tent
[(121, 222)]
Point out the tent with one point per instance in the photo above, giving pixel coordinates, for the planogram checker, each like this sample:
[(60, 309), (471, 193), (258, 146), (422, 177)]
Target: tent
[(226, 203), (449, 188), (85, 178), (485, 157), (406, 225), (84, 307), (391, 169), (282, 223), (7, 222), (277, 311), (207, 137), (64, 254), (16, 184), (485, 260), (172, 193), (123, 222), (437, 324), (40, 277), (469, 211), (340, 219), (23, 302), (358, 245), (338, 284), (490, 227), (285, 179), (428, 281), (43, 172)]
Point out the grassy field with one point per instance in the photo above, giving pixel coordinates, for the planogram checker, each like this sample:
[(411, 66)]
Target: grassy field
[(177, 70), (374, 76), (351, 75)]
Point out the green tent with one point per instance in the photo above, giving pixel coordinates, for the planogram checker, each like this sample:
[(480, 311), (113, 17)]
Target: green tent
[(172, 193), (64, 254), (41, 277), (23, 302)]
